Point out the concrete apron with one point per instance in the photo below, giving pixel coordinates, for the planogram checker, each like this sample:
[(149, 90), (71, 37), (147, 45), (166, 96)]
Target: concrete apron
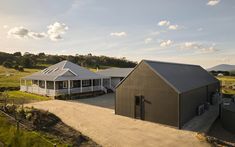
[(203, 122)]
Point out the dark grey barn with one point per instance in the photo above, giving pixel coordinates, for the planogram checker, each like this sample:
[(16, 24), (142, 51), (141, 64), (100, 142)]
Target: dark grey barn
[(166, 93)]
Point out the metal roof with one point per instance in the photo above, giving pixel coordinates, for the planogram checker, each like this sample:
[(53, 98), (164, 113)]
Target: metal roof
[(182, 77), (64, 70), (115, 72)]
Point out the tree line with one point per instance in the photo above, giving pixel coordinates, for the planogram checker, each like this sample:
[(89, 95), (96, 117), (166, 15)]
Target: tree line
[(20, 61), (225, 73)]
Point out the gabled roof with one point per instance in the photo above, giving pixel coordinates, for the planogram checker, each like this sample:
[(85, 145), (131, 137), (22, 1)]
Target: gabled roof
[(115, 72), (64, 70), (181, 77)]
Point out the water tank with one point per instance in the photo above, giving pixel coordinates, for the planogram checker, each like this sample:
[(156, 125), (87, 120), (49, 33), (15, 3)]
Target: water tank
[(228, 116)]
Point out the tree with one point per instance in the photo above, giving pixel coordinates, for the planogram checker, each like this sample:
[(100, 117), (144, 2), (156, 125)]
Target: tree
[(27, 62), (41, 55), (20, 68), (7, 64), (16, 67), (17, 54)]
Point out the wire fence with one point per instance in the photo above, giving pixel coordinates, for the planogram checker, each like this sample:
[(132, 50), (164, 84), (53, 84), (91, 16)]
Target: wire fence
[(19, 124)]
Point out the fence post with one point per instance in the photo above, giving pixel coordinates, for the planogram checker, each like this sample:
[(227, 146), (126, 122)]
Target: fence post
[(17, 126)]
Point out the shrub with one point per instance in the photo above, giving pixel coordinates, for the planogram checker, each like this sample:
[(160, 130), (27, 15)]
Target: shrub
[(20, 112), (20, 68), (16, 67), (7, 64), (28, 116), (11, 108)]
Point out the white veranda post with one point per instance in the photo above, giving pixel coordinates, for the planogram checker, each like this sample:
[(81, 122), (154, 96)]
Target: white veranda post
[(81, 86), (92, 88), (101, 84), (54, 87), (45, 87), (68, 86)]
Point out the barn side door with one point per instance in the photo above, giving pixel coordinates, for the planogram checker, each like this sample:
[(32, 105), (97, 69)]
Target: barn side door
[(139, 107)]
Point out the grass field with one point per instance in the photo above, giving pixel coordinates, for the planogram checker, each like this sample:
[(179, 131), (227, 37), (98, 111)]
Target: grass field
[(11, 77), (226, 82), (26, 96), (18, 97), (10, 137)]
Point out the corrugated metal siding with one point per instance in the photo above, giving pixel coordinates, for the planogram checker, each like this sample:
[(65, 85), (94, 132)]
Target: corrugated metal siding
[(162, 100), (213, 88), (190, 101)]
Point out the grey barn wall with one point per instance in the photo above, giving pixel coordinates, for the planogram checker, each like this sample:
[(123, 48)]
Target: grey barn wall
[(212, 88), (162, 100), (190, 101)]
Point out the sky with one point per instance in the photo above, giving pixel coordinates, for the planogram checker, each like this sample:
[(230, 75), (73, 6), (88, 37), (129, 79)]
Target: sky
[(185, 31)]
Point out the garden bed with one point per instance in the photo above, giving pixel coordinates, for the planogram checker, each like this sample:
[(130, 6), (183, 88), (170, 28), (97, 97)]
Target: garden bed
[(46, 124)]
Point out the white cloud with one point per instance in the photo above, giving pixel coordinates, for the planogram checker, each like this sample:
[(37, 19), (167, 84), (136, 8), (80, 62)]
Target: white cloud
[(5, 27), (37, 35), (56, 30), (213, 2), (168, 24), (166, 43), (164, 23), (148, 40), (173, 27), (18, 32), (199, 47), (118, 34), (23, 33)]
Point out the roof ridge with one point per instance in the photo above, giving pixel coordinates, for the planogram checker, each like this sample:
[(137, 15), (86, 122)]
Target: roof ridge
[(66, 61), (164, 62)]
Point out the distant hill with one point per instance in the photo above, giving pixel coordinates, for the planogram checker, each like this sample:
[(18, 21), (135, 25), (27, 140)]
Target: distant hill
[(18, 60), (222, 67)]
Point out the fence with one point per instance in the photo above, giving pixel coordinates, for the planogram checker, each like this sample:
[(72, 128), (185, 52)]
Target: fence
[(19, 124)]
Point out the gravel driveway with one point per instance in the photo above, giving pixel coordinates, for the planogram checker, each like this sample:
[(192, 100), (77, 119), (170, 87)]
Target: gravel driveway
[(106, 101), (108, 129)]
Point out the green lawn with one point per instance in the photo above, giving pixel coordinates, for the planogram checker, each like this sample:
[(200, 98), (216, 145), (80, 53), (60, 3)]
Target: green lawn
[(11, 77), (227, 80), (10, 137), (19, 97), (26, 96)]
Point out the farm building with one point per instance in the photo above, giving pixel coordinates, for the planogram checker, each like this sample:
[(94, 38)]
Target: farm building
[(116, 74), (166, 93), (64, 78)]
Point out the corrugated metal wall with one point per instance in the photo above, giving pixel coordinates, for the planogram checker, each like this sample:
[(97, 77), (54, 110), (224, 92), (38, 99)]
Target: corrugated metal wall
[(161, 103), (192, 99)]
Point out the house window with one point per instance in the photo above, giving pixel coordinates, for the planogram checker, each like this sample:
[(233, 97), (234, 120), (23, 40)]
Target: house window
[(65, 84), (86, 83), (96, 82), (76, 84)]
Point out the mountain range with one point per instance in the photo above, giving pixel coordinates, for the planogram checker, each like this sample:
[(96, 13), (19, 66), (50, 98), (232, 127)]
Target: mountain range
[(222, 67)]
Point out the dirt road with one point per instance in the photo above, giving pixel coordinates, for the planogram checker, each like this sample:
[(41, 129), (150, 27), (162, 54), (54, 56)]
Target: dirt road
[(108, 129)]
